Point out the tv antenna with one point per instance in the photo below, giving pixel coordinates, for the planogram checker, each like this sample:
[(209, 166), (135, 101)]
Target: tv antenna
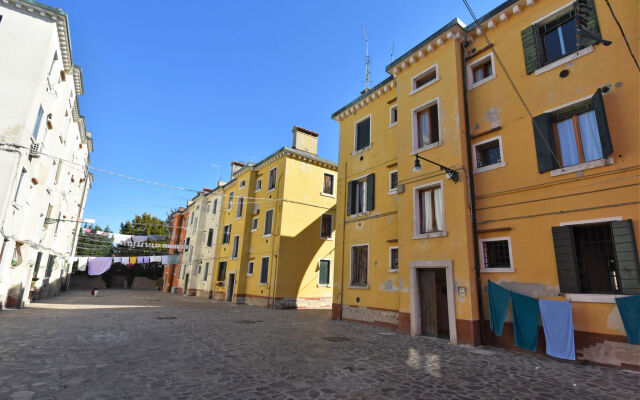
[(393, 44), (366, 71)]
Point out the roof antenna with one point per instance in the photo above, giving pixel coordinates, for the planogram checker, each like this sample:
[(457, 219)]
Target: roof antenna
[(393, 44), (366, 71)]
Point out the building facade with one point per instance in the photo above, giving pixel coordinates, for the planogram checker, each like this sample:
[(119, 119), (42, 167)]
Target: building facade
[(170, 273), (44, 152), (546, 197)]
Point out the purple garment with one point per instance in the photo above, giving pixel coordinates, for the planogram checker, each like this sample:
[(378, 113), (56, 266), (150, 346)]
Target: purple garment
[(165, 260), (139, 239), (99, 265), (146, 260)]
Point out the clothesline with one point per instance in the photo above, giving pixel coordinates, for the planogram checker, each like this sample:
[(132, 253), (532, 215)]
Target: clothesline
[(100, 265)]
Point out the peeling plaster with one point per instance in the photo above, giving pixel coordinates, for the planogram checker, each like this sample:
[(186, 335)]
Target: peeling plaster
[(493, 115), (529, 288), (612, 353), (402, 287)]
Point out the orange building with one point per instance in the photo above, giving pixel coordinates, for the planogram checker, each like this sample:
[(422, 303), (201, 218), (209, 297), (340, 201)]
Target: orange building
[(178, 234)]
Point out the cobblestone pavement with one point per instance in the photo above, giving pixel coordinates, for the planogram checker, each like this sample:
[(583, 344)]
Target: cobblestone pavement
[(152, 345)]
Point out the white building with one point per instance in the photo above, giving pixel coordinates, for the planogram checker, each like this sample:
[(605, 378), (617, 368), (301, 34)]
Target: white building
[(44, 151)]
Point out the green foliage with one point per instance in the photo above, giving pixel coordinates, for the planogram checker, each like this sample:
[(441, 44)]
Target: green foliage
[(92, 244), (144, 224)]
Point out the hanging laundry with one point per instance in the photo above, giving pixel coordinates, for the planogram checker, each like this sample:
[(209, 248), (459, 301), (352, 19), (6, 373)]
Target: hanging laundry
[(133, 260), (165, 260), (119, 239), (82, 263), (139, 239), (155, 259), (87, 230), (525, 321), (629, 308), (157, 237), (498, 305), (174, 259), (557, 321), (99, 265)]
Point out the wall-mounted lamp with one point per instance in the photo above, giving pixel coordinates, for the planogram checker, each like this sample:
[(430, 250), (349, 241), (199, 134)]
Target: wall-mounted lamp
[(453, 174)]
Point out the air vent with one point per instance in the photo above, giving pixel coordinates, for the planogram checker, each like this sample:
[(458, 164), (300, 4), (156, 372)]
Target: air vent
[(34, 150)]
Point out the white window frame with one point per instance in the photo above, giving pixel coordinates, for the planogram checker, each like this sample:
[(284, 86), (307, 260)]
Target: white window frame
[(242, 184), (253, 265), (393, 123), (230, 200), (421, 75), (334, 185), (275, 180), (261, 267), (393, 190), (239, 208), (351, 266), (363, 180), (493, 270), (501, 164), (416, 212), (256, 224), (470, 83), (264, 235), (258, 185), (390, 259), (355, 134), (330, 237), (330, 265), (206, 272), (414, 126), (233, 247)]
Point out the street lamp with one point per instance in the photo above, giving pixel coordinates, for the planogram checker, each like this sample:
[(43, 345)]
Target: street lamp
[(453, 174)]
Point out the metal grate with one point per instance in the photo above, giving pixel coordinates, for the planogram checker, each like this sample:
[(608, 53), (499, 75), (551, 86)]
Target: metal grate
[(488, 153), (496, 254)]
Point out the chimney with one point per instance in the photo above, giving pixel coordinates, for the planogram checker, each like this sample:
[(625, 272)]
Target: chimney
[(235, 167), (305, 140)]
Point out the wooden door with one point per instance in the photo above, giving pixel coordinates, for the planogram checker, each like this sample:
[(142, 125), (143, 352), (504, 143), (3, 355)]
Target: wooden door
[(232, 281), (186, 284), (428, 302), (442, 303)]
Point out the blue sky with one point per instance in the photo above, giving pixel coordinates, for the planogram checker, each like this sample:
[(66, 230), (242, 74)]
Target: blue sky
[(173, 87)]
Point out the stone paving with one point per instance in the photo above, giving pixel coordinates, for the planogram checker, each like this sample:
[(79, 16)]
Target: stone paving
[(152, 345)]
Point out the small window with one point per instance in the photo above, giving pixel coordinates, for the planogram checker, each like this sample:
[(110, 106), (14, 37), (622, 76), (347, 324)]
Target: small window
[(208, 206), (215, 206), (264, 271), (393, 115), (268, 222), (393, 181), (559, 37), (425, 78), (36, 126), (481, 71), (328, 184), (236, 245), (226, 234), (393, 258), (250, 268), (210, 238), (426, 129), (363, 134), (488, 155), (199, 270), (206, 271), (230, 203), (430, 210), (195, 225), (326, 226), (361, 195), (259, 185), (254, 224), (242, 183), (324, 272), (222, 271), (272, 179), (496, 255), (240, 207), (359, 266), (577, 135)]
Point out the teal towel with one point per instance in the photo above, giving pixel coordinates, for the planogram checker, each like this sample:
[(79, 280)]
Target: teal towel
[(498, 305), (629, 308), (525, 321)]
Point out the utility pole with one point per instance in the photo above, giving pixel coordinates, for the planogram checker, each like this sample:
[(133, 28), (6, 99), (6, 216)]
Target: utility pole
[(366, 70)]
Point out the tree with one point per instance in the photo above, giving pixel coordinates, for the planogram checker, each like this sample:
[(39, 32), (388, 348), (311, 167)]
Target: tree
[(144, 224), (92, 244)]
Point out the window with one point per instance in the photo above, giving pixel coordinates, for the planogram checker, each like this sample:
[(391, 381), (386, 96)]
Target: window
[(268, 222), (195, 225), (393, 181), (481, 71), (362, 134), (230, 203), (53, 61), (272, 179), (324, 272), (210, 238), (199, 270), (426, 130), (359, 266), (17, 196), (50, 263), (360, 196), (187, 242), (254, 224), (328, 184), (236, 244), (259, 185), (250, 268), (487, 155), (424, 79), (240, 207), (222, 271), (206, 271), (264, 271), (393, 258), (215, 206), (226, 234), (208, 206), (573, 135), (242, 184), (393, 115), (496, 255), (430, 213), (191, 220), (326, 226), (36, 126)]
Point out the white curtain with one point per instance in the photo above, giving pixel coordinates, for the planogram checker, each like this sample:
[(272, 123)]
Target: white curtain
[(437, 205), (427, 214), (567, 140), (590, 136), (424, 130), (478, 75)]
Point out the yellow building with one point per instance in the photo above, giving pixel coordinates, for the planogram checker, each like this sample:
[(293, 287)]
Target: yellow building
[(276, 244), (556, 212)]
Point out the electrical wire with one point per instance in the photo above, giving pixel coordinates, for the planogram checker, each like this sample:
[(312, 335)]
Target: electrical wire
[(623, 35)]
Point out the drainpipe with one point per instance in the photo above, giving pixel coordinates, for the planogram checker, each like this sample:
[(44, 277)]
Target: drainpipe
[(344, 223), (274, 256), (472, 190)]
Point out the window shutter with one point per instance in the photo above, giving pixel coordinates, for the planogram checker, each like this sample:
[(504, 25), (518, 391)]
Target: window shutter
[(588, 14), (603, 126), (566, 263), (349, 198), (324, 272), (545, 143), (371, 191), (530, 48), (626, 256)]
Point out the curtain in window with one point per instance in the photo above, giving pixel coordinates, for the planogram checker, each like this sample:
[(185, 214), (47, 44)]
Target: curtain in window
[(427, 211), (424, 129), (590, 136), (567, 140), (437, 205), (360, 197), (478, 74)]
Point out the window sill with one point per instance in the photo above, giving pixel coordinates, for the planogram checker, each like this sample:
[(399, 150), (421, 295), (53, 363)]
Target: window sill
[(254, 230), (563, 60), (427, 147), (392, 271), (356, 152), (327, 286), (358, 287), (249, 274), (267, 236), (429, 235), (393, 124), (271, 190), (581, 167), (592, 297), (262, 284), (326, 238), (481, 82), (496, 270), (426, 85), (490, 167), (328, 195), (362, 214)]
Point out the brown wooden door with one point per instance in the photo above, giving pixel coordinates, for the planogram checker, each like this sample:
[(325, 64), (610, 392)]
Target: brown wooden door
[(442, 307), (434, 315), (186, 284), (232, 281)]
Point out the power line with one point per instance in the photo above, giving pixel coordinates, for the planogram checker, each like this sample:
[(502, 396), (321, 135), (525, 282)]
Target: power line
[(623, 35)]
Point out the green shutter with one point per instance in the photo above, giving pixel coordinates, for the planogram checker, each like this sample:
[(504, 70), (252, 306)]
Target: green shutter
[(371, 191), (545, 143), (324, 272), (530, 48), (603, 126), (588, 14), (626, 256), (349, 198), (50, 262), (37, 266), (264, 270), (566, 262)]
